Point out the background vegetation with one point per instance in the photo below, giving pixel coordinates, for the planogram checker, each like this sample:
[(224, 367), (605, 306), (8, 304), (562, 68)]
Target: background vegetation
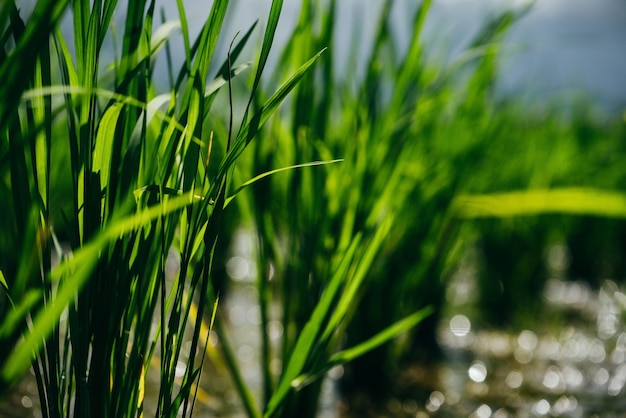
[(121, 204)]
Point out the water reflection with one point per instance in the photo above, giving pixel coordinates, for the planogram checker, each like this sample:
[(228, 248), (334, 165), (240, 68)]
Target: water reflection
[(435, 401), (478, 372), (542, 407), (238, 268), (27, 402), (514, 379), (574, 366), (527, 340), (483, 411), (553, 380), (460, 325)]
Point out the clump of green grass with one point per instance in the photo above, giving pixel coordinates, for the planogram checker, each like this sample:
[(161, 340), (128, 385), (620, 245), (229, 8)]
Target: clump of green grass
[(141, 182), (418, 144), (387, 206)]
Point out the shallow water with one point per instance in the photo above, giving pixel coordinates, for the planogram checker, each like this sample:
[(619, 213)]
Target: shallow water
[(571, 365)]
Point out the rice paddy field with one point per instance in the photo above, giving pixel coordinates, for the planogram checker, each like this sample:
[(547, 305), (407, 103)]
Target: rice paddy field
[(232, 223)]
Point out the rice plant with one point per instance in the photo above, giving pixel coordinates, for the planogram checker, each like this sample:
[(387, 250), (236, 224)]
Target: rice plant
[(104, 183), (418, 142), (386, 206)]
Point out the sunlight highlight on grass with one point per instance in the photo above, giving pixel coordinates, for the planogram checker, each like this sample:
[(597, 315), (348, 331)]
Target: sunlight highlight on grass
[(575, 201)]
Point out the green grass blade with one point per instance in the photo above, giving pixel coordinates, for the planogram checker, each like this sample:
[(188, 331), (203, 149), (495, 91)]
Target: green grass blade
[(355, 281), (183, 394), (185, 30), (268, 40), (575, 201), (250, 129), (133, 31), (208, 39), (214, 86), (276, 171), (105, 142), (352, 353), (235, 52), (308, 338), (16, 316), (107, 15), (43, 116), (3, 281)]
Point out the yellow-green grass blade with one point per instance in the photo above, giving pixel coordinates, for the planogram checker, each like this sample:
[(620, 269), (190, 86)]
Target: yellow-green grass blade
[(573, 201), (3, 281), (75, 90), (16, 316), (42, 116), (104, 142)]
